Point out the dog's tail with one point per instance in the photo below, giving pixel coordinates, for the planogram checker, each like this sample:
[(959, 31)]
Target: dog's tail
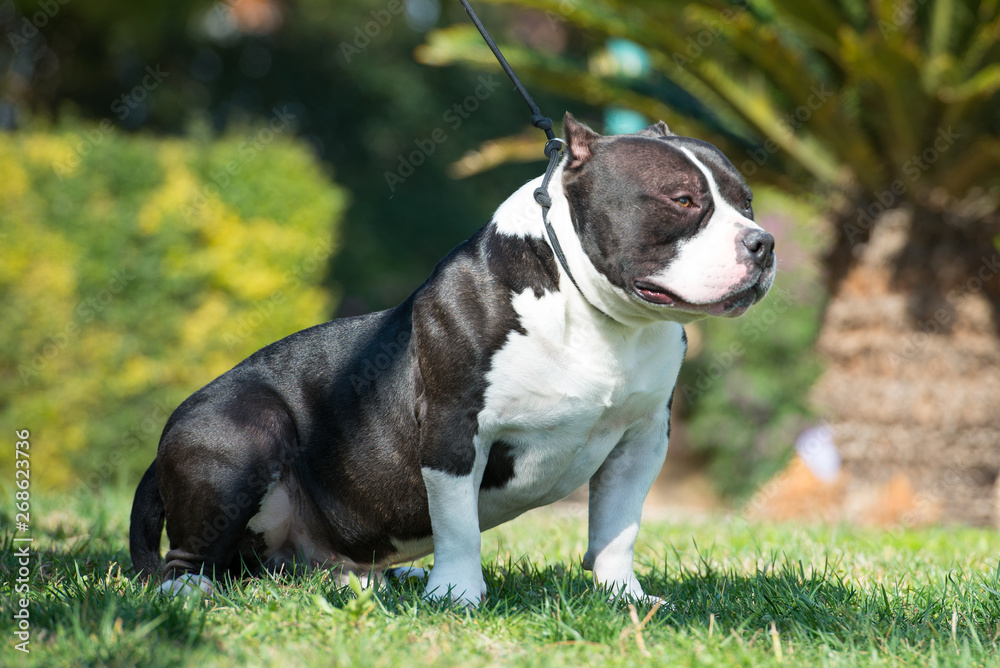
[(146, 526)]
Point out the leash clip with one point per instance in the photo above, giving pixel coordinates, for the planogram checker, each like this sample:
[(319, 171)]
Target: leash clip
[(555, 144)]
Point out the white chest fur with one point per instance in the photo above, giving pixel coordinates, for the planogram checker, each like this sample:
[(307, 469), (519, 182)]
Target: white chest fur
[(563, 394)]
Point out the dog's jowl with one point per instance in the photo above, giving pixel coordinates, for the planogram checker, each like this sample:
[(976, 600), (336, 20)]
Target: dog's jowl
[(500, 385)]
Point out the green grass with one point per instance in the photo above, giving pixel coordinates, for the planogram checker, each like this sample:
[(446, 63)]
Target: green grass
[(834, 595)]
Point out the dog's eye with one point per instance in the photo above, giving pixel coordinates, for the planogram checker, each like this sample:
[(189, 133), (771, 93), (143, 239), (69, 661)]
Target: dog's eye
[(746, 207), (685, 201)]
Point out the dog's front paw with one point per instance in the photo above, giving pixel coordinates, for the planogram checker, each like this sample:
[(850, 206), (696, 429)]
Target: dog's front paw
[(625, 588), (656, 601), (469, 591)]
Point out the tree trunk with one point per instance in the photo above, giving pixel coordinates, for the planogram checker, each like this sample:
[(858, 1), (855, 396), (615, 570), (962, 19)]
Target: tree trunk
[(912, 382)]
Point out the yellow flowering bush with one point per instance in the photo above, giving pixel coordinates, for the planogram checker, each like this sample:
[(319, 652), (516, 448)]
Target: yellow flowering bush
[(134, 269)]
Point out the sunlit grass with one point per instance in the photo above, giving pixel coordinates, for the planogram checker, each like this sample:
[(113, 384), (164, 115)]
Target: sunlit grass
[(736, 594)]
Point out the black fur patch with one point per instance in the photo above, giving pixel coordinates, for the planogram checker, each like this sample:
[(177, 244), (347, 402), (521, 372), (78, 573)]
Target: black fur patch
[(499, 466)]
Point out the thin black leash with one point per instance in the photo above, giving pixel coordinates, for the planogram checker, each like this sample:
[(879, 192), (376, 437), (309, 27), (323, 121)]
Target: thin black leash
[(553, 145)]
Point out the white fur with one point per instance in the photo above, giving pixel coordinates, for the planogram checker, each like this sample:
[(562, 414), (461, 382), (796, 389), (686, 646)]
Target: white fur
[(458, 571), (567, 393), (587, 398), (574, 389), (287, 539), (521, 216), (275, 517), (408, 550), (406, 573), (617, 492), (707, 266)]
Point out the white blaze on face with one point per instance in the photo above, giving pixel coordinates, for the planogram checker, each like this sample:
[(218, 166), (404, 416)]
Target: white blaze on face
[(707, 266)]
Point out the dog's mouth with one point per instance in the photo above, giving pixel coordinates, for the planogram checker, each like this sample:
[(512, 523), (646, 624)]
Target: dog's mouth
[(733, 305), (655, 294)]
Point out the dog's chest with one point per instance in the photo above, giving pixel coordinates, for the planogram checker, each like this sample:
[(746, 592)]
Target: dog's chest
[(565, 391)]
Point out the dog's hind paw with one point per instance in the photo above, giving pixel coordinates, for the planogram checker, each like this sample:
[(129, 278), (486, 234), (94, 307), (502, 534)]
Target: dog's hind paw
[(406, 573), (188, 584)]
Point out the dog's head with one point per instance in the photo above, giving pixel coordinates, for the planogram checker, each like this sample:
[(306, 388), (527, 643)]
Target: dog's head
[(666, 220)]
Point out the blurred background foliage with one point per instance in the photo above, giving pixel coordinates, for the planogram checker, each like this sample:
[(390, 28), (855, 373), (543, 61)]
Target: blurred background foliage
[(134, 276), (198, 79), (345, 71), (836, 100)]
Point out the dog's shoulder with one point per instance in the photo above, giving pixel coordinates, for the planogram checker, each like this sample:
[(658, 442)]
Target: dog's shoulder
[(467, 303)]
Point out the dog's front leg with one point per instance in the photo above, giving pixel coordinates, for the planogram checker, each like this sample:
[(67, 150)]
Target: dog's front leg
[(617, 492), (453, 501)]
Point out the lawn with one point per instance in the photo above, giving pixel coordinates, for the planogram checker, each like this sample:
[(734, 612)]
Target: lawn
[(737, 594)]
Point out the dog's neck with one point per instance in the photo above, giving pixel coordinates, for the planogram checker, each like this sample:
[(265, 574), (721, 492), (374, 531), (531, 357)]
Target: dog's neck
[(521, 216)]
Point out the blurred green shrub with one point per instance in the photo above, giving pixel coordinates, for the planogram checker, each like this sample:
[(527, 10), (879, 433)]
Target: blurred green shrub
[(134, 270)]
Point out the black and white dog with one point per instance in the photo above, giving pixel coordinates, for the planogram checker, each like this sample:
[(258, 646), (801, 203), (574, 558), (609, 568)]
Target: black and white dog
[(497, 387)]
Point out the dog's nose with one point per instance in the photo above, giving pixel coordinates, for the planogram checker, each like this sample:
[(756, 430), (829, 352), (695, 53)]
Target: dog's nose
[(761, 247)]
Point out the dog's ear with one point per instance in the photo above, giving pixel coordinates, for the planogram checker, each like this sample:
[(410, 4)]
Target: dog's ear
[(579, 140), (658, 129)]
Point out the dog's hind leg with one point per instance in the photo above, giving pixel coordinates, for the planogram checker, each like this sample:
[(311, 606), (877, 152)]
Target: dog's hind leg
[(216, 463)]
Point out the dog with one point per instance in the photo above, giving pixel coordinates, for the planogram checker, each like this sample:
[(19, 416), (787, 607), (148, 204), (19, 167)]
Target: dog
[(502, 384)]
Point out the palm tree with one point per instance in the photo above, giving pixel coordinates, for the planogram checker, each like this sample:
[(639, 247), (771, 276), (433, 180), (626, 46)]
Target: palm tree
[(885, 112)]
